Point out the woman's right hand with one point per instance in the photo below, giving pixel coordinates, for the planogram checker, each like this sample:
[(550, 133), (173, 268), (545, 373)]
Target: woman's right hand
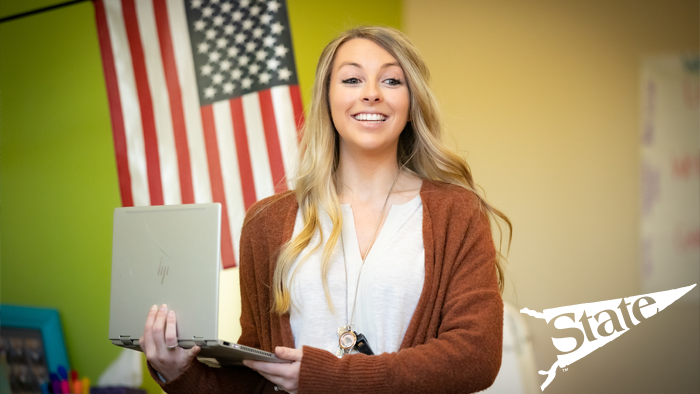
[(159, 333)]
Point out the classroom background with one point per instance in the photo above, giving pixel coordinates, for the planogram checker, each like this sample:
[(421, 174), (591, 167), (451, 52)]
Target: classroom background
[(543, 97)]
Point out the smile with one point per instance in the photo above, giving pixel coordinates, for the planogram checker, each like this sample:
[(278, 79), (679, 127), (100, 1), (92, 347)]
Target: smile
[(370, 117)]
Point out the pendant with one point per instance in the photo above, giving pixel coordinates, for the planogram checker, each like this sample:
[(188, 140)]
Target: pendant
[(346, 341)]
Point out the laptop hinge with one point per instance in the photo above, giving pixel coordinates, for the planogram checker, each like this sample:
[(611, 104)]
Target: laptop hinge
[(199, 341), (126, 340)]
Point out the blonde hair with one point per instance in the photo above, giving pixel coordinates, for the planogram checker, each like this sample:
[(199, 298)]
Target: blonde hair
[(420, 150)]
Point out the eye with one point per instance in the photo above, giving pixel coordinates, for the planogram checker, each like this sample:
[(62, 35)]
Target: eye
[(393, 81), (351, 81)]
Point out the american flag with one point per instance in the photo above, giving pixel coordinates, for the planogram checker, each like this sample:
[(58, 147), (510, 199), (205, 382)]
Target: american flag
[(204, 102)]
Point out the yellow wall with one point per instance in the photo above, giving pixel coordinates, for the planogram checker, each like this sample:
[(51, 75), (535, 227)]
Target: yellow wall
[(543, 98)]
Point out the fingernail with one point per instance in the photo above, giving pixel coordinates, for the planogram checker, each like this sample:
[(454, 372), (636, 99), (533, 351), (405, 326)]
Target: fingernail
[(171, 314), (154, 307), (163, 307)]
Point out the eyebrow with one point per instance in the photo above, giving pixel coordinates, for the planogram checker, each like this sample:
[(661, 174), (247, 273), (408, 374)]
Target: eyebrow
[(385, 65)]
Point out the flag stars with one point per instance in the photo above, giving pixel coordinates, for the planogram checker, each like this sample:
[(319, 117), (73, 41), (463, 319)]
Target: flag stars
[(225, 65), (221, 43), (281, 50), (276, 28), (269, 41), (243, 44), (207, 69), (284, 74), (265, 78), (214, 56), (203, 47), (273, 6), (228, 87), (273, 63)]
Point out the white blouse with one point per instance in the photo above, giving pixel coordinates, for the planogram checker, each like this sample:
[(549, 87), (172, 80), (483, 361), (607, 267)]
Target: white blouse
[(389, 289)]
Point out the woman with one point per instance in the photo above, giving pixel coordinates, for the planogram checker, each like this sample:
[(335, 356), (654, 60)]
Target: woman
[(383, 236)]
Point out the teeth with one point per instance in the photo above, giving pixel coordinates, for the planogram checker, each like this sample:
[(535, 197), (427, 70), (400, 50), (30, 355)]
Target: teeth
[(370, 117)]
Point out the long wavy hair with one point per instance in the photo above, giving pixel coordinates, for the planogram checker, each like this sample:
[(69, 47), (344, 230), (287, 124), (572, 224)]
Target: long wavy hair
[(420, 149)]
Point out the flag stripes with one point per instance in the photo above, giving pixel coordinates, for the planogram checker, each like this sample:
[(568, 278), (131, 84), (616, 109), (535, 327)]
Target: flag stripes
[(174, 100), (272, 141), (143, 91), (169, 148), (115, 109), (287, 116), (217, 183), (298, 108), (244, 162)]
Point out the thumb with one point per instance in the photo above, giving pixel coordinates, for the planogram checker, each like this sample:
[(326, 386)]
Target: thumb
[(282, 352), (194, 351), (286, 353)]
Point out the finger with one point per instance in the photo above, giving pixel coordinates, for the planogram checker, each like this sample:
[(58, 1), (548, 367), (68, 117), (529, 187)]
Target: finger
[(281, 370), (171, 329), (284, 384), (158, 329), (286, 353), (148, 345)]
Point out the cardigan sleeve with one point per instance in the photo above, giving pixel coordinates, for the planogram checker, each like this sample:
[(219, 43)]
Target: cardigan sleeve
[(201, 379), (464, 352)]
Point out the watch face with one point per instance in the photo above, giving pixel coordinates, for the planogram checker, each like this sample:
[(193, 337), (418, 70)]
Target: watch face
[(347, 340)]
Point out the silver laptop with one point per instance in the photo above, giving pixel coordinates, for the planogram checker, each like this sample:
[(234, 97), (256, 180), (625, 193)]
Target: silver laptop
[(171, 255)]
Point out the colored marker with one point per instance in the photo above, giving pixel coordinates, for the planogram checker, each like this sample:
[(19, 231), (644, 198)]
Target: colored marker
[(65, 387), (86, 385), (62, 372)]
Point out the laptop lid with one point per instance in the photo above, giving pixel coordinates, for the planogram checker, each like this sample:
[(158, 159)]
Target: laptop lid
[(165, 254)]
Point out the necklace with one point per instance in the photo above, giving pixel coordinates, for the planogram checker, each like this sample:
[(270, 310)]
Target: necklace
[(348, 338)]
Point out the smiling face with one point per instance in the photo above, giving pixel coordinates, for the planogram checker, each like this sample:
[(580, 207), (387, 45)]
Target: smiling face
[(368, 97)]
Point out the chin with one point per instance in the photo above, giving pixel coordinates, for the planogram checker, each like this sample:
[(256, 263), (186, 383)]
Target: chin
[(372, 146)]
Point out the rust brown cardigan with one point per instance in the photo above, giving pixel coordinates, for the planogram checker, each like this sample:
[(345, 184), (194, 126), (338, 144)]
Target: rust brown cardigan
[(452, 345)]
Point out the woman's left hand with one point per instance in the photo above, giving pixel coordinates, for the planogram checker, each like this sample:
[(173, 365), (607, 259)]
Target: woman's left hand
[(285, 376)]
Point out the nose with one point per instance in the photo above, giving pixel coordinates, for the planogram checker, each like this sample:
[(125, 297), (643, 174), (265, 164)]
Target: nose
[(372, 93)]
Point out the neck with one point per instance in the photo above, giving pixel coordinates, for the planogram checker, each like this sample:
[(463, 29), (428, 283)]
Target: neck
[(363, 178)]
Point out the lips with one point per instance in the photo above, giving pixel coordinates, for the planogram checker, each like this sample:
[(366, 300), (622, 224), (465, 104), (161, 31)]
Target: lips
[(366, 117)]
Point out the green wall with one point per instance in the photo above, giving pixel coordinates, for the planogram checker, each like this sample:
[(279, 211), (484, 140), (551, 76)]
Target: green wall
[(58, 181)]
